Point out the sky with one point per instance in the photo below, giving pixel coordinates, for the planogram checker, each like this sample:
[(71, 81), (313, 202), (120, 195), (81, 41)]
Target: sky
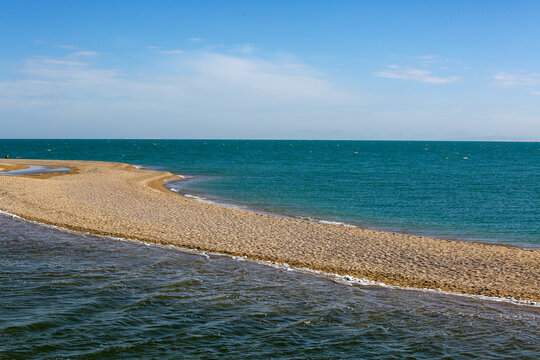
[(361, 70)]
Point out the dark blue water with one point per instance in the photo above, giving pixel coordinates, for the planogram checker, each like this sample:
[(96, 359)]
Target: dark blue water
[(487, 191), (74, 296)]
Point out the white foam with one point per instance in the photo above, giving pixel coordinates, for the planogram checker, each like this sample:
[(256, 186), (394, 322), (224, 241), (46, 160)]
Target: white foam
[(327, 222), (246, 208), (208, 201), (342, 279), (337, 223), (351, 280)]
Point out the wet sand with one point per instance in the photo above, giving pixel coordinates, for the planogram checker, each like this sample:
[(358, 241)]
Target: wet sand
[(119, 200), (11, 167)]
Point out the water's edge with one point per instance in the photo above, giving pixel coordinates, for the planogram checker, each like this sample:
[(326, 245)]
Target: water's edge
[(342, 279), (209, 199)]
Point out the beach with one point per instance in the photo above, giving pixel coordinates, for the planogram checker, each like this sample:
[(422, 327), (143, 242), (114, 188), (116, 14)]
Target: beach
[(119, 200)]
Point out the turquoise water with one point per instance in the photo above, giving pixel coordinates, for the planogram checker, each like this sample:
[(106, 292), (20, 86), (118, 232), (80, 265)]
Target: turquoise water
[(72, 296), (484, 191)]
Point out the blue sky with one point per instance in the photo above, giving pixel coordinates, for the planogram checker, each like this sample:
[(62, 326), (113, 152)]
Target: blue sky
[(430, 70)]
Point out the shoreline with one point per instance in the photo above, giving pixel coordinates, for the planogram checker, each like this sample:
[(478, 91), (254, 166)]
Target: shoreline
[(208, 199), (105, 208), (344, 279)]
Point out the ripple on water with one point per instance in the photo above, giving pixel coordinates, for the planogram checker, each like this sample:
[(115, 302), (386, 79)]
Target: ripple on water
[(77, 296)]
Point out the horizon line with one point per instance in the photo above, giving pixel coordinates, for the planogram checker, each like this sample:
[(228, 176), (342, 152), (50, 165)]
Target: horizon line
[(286, 139)]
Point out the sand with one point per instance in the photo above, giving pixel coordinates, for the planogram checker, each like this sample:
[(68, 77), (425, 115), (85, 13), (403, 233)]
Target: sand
[(120, 200), (11, 167)]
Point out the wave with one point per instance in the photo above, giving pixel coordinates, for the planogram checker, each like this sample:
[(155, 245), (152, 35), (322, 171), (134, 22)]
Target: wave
[(327, 222), (210, 201)]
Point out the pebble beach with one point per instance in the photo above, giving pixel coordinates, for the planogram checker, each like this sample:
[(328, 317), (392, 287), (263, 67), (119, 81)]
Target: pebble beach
[(116, 199)]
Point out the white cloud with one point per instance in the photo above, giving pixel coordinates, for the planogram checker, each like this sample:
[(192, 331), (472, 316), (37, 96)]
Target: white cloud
[(195, 39), (516, 79), (244, 49), (68, 47), (428, 60), (535, 92), (412, 74), (197, 93), (86, 53), (283, 80), (56, 71), (158, 50), (171, 51)]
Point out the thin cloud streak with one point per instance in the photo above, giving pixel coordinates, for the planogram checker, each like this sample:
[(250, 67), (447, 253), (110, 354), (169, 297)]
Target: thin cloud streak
[(516, 79), (68, 47), (414, 74), (171, 52)]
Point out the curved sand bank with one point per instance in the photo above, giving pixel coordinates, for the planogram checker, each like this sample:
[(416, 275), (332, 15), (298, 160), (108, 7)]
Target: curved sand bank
[(119, 200)]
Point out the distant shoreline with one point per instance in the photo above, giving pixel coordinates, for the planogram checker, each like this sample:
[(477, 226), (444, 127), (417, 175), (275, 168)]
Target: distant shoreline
[(117, 199)]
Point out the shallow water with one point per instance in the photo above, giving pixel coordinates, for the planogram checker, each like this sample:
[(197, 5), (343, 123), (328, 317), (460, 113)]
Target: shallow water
[(35, 170), (73, 296), (485, 191)]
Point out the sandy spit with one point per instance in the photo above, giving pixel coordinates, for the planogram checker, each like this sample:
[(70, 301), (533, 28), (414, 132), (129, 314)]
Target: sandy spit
[(120, 200)]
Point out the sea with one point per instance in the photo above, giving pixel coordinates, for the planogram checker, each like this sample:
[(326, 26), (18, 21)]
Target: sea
[(66, 295)]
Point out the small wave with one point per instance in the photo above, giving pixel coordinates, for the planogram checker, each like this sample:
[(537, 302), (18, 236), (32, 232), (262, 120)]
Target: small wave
[(337, 223), (213, 202), (322, 221), (201, 199), (247, 208), (351, 280)]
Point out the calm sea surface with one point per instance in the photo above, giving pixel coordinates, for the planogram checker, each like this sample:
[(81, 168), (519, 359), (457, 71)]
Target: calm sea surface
[(71, 296)]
